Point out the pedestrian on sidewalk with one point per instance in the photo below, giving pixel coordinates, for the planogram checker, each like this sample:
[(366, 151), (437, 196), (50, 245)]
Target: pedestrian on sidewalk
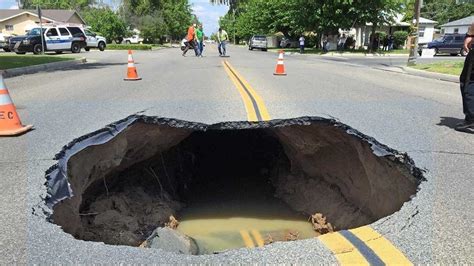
[(466, 81), (341, 42), (222, 38), (200, 39), (191, 40), (391, 40), (325, 43), (301, 44)]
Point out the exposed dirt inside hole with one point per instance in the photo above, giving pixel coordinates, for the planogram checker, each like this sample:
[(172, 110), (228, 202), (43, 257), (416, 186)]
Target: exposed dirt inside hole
[(127, 187)]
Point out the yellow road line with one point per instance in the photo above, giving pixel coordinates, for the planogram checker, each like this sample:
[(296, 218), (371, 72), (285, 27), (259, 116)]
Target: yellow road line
[(385, 250), (258, 238), (254, 104), (343, 250), (367, 239), (251, 115), (247, 239)]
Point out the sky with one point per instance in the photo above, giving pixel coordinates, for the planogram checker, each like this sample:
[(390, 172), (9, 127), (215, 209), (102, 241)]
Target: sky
[(208, 14)]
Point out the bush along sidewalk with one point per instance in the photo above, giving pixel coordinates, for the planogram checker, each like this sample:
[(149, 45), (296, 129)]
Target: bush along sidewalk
[(129, 47)]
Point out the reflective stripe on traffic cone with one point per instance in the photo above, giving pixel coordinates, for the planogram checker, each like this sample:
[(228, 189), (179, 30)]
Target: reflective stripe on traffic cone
[(10, 124), (280, 68), (131, 69)]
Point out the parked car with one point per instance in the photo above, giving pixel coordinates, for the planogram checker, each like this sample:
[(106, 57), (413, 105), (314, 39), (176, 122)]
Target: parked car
[(4, 42), (56, 38), (95, 41), (287, 43), (135, 39), (259, 42), (449, 43)]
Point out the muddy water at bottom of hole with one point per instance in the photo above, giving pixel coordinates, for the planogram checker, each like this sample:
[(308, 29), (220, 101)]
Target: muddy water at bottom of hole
[(236, 224)]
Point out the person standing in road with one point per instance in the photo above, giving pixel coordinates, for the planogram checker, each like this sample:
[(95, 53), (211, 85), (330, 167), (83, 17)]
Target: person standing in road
[(200, 39), (191, 40), (222, 38), (466, 81), (301, 44)]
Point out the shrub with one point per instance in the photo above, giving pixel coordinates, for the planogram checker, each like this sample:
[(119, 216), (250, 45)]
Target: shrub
[(129, 47), (382, 35), (399, 38)]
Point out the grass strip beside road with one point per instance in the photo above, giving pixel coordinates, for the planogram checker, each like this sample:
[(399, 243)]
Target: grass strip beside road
[(444, 67), (8, 61)]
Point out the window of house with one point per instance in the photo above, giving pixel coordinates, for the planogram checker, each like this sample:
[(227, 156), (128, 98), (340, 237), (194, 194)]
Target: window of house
[(421, 31), (63, 32), (456, 30), (9, 27)]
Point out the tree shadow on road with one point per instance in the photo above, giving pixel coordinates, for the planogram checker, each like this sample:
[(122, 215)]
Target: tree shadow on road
[(450, 122), (93, 65)]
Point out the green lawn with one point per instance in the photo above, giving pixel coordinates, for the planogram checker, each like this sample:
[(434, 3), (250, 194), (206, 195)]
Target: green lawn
[(445, 67), (10, 60)]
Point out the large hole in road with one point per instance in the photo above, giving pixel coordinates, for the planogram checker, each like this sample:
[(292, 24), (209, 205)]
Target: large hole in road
[(228, 185)]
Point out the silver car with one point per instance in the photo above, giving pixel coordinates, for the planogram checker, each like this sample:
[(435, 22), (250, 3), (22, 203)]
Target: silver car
[(259, 42)]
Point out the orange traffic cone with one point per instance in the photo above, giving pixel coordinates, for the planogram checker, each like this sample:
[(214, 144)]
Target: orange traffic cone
[(131, 69), (10, 124), (280, 68)]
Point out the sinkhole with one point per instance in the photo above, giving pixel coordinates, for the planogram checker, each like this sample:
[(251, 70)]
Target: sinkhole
[(209, 188)]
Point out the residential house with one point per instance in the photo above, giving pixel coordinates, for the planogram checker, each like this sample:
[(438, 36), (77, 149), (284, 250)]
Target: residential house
[(362, 33), (20, 21), (426, 30), (460, 26)]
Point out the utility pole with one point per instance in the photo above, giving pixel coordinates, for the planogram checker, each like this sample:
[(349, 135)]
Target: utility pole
[(38, 9), (415, 34), (233, 23)]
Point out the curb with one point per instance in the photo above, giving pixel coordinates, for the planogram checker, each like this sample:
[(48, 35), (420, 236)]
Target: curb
[(431, 75), (13, 72), (334, 54)]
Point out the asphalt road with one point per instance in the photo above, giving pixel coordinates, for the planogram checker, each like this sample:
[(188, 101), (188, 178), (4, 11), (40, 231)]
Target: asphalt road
[(405, 112)]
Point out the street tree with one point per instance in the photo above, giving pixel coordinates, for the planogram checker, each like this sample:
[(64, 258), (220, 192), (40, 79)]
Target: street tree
[(157, 19), (444, 11), (106, 22), (377, 12), (178, 16), (56, 4), (293, 17)]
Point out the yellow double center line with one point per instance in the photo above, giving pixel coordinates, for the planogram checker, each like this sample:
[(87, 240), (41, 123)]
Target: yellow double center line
[(363, 246), (254, 105), (248, 239), (360, 246)]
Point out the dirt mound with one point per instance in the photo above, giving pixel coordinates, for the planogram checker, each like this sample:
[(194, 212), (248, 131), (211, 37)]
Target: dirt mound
[(320, 225), (127, 213)]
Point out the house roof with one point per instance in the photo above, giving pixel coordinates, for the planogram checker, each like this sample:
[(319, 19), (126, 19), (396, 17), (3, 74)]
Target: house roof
[(52, 14), (427, 21), (467, 21), (398, 21)]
